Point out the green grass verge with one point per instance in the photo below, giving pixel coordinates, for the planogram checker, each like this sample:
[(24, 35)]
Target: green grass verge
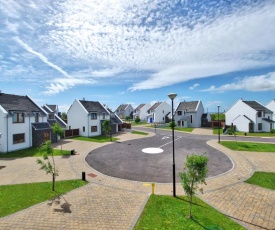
[(263, 179), (99, 139), (167, 212), (139, 132), (14, 198), (216, 131), (179, 129), (248, 146), (256, 134), (140, 123), (32, 152)]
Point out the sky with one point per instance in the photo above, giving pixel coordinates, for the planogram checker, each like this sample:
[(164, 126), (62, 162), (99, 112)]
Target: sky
[(138, 51)]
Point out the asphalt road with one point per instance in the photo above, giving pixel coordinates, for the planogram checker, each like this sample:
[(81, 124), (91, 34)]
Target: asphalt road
[(126, 160)]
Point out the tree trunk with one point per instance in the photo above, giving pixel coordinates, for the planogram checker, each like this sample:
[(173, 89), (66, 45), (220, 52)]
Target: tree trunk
[(53, 181)]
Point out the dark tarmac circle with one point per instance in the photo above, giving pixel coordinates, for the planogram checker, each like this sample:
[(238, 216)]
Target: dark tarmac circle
[(127, 161)]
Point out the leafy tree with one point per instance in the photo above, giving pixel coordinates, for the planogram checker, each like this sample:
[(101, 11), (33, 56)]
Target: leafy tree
[(194, 173), (137, 119), (48, 165), (106, 127), (64, 116), (58, 131), (127, 118), (172, 124)]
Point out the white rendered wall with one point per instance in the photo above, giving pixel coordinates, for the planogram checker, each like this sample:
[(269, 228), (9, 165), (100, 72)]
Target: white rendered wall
[(242, 124), (159, 114), (143, 112)]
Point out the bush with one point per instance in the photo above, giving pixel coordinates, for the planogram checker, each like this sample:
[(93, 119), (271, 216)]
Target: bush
[(272, 130), (137, 120), (172, 124)]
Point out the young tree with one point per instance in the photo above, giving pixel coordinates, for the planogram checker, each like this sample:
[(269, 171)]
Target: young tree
[(194, 173), (172, 124), (106, 128), (48, 165), (127, 118), (58, 131)]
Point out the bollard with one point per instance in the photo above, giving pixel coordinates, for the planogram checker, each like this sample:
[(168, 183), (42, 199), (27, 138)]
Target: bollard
[(83, 176), (153, 188)]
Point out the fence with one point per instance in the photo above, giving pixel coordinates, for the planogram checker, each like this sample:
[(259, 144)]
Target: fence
[(71, 133)]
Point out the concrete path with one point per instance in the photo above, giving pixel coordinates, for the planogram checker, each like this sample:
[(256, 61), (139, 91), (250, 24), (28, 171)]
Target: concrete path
[(110, 203)]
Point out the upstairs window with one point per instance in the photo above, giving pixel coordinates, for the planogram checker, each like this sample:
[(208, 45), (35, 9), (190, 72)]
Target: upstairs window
[(18, 118), (179, 113), (259, 114), (51, 116), (103, 116), (93, 116)]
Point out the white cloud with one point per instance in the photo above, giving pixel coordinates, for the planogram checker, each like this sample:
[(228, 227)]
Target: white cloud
[(61, 84), (255, 84), (194, 86), (106, 72)]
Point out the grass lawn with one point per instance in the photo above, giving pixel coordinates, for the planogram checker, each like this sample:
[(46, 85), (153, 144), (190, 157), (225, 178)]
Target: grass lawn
[(32, 152), (248, 146), (100, 139), (139, 132), (167, 212), (256, 134), (140, 123), (263, 179), (216, 131), (14, 198), (179, 129)]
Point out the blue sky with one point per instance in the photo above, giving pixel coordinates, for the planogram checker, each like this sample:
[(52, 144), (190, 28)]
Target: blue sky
[(136, 51)]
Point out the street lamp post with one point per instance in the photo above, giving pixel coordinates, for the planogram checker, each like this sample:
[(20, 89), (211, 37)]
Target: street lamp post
[(219, 123), (172, 96)]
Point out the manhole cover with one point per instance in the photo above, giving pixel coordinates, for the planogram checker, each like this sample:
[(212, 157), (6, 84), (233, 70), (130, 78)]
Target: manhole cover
[(152, 150)]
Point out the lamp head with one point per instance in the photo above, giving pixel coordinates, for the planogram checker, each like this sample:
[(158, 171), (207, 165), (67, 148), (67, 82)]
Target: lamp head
[(172, 96)]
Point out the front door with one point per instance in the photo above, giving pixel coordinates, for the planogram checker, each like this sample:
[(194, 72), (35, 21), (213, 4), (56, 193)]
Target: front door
[(151, 120), (47, 135)]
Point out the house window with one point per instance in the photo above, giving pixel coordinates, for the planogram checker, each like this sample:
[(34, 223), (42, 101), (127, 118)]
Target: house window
[(37, 117), (93, 116), (18, 118), (179, 113), (179, 123), (260, 126), (18, 138), (69, 127), (162, 111), (259, 114), (182, 123), (51, 116), (83, 129), (103, 116), (191, 119), (93, 129)]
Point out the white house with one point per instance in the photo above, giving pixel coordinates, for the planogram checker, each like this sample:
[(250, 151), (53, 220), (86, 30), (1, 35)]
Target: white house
[(87, 116), (271, 106), (159, 112), (190, 114), (249, 116), (124, 110), (141, 111), (23, 123)]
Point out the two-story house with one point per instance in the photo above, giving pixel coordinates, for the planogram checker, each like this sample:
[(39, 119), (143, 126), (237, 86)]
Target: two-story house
[(159, 113), (87, 116), (124, 110), (271, 106), (23, 123), (249, 116), (141, 111), (190, 114)]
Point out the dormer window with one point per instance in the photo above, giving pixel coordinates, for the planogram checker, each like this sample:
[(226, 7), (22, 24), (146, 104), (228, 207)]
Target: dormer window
[(18, 118), (51, 116), (93, 116)]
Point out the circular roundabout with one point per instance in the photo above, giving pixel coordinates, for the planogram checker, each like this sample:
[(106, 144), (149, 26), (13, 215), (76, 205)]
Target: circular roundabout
[(150, 159)]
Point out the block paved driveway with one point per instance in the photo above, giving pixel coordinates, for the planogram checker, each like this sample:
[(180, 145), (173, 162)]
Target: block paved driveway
[(111, 203)]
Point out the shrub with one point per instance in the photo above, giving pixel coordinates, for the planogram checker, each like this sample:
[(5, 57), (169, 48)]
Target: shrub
[(137, 120), (272, 130)]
